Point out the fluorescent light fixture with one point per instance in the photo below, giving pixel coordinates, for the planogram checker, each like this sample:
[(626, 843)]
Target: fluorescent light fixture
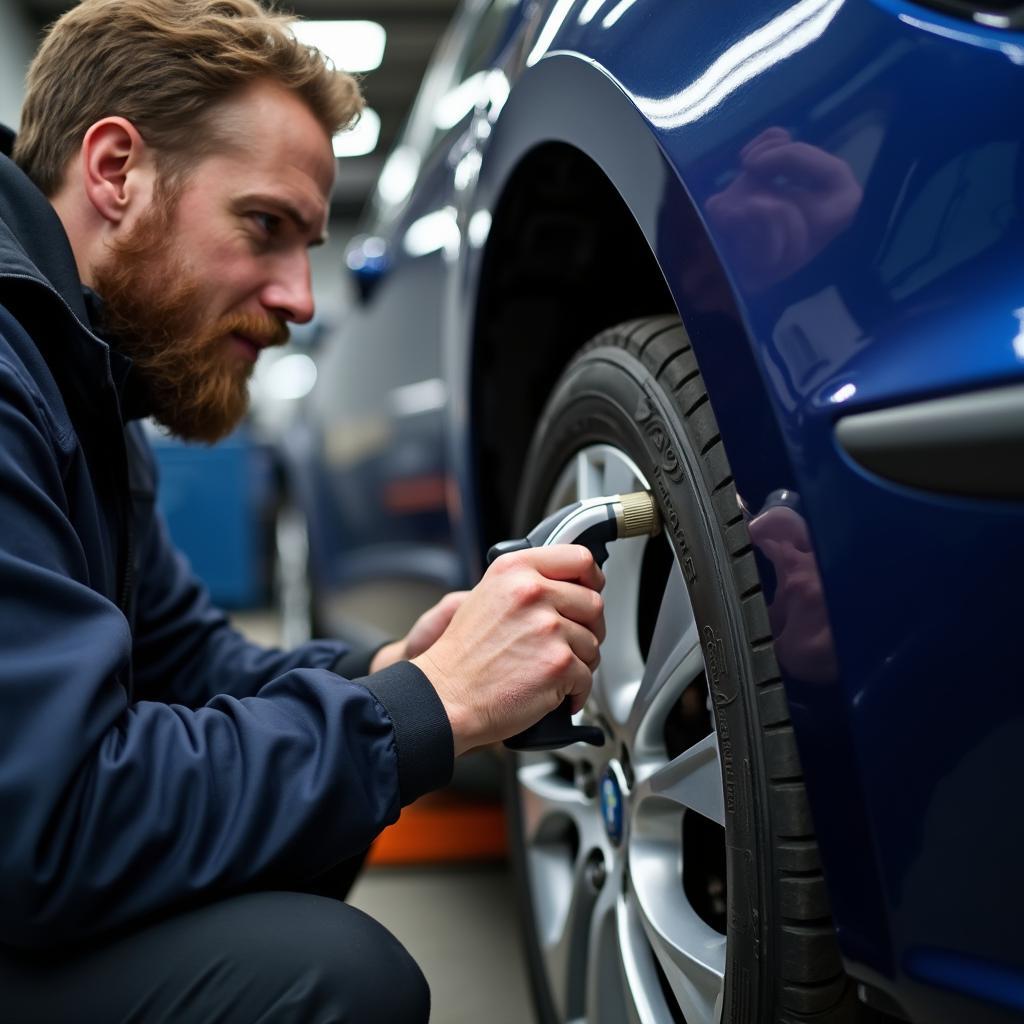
[(361, 139), (349, 45)]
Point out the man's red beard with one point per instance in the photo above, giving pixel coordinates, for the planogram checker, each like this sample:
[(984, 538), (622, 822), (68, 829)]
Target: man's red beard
[(153, 306)]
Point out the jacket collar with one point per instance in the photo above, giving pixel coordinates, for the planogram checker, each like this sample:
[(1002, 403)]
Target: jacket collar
[(33, 242), (34, 248)]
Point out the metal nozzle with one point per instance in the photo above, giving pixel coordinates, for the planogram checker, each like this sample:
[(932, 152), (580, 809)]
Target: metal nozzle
[(637, 515)]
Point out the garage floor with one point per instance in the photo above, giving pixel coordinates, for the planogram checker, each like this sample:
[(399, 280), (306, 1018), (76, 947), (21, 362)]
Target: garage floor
[(458, 922), (460, 926)]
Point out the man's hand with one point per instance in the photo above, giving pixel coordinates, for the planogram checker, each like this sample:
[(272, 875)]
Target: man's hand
[(525, 638), (424, 633)]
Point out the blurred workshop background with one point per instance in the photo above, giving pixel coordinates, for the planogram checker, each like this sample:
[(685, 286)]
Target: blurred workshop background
[(438, 879)]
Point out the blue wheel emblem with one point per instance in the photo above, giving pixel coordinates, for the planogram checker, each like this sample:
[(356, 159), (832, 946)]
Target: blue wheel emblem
[(611, 807)]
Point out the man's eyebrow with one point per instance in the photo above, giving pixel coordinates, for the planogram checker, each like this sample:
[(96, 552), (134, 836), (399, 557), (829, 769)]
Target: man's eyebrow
[(283, 206)]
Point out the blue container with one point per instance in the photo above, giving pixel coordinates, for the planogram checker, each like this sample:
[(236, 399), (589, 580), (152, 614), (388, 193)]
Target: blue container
[(214, 501)]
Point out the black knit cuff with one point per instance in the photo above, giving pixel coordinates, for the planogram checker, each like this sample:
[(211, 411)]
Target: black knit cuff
[(423, 734)]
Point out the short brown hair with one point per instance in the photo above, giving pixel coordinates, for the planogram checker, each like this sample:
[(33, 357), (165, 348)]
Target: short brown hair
[(164, 65)]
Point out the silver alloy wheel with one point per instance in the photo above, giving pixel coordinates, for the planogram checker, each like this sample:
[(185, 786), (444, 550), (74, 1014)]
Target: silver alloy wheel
[(293, 592), (603, 826)]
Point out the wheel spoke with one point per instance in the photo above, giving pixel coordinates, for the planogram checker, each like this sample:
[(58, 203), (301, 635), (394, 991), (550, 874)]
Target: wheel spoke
[(691, 954), (644, 1003), (675, 621), (674, 661), (618, 677), (693, 780), (589, 471), (566, 951), (620, 968), (619, 476), (546, 795), (606, 986)]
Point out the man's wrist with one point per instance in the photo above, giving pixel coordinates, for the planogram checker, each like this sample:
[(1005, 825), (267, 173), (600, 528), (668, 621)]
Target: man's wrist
[(458, 718)]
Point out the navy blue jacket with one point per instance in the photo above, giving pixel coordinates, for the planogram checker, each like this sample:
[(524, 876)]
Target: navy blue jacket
[(149, 755)]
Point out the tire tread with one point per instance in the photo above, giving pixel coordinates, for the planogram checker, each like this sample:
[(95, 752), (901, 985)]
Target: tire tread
[(811, 985)]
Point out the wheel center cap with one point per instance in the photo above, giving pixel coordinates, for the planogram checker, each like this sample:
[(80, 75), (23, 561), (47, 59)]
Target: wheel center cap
[(611, 806)]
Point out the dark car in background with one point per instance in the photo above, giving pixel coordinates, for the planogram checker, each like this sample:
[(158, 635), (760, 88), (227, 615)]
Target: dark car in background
[(766, 260)]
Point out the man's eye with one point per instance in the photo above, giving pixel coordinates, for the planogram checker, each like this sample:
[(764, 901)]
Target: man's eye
[(268, 222)]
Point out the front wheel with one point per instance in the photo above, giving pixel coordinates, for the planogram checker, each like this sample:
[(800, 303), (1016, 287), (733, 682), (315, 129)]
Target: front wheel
[(672, 874)]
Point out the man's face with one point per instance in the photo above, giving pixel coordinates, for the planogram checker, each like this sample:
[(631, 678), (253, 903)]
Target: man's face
[(216, 267)]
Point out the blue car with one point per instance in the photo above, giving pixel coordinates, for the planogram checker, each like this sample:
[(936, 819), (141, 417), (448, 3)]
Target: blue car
[(764, 259)]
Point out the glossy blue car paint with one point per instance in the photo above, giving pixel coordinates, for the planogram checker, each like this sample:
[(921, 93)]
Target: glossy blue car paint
[(905, 281)]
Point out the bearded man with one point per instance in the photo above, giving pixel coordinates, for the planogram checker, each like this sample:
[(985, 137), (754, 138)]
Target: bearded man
[(173, 798)]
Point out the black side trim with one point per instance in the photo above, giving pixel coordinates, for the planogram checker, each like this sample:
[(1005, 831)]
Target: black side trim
[(969, 444), (990, 13)]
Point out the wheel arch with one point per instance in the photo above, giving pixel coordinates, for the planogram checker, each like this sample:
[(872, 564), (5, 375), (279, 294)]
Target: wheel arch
[(586, 213)]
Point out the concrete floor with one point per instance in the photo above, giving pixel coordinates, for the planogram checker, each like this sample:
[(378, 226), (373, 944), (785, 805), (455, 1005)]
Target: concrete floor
[(460, 926), (458, 922)]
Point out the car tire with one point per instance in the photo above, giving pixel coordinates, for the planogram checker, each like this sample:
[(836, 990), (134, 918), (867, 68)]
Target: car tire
[(631, 410)]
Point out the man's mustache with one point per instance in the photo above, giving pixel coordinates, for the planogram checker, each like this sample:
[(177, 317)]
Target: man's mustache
[(265, 331)]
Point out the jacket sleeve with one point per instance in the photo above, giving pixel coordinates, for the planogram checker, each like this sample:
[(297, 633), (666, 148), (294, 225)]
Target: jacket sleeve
[(185, 649), (114, 810)]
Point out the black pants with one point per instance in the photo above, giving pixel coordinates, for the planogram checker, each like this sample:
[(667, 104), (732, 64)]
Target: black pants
[(263, 957)]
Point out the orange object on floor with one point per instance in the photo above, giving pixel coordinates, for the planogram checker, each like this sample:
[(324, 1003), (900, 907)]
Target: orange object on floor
[(443, 828)]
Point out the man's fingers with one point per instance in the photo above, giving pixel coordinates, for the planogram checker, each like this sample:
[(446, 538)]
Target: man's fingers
[(563, 562), (583, 643), (579, 604), (580, 690)]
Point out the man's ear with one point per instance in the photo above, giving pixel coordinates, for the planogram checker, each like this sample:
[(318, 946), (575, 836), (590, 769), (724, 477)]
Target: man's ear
[(114, 168)]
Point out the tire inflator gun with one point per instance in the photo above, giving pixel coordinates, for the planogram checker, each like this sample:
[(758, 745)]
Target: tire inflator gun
[(594, 523)]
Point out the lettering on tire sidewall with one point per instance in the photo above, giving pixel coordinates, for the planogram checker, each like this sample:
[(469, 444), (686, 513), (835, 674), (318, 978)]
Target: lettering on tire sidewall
[(668, 476)]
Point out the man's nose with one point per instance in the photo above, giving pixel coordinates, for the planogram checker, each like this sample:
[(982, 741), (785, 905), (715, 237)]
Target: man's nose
[(289, 294)]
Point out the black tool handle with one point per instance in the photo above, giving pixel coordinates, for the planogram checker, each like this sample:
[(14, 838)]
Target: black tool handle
[(555, 729)]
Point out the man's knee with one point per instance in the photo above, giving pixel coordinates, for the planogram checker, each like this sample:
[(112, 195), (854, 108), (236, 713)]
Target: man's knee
[(309, 958), (372, 975)]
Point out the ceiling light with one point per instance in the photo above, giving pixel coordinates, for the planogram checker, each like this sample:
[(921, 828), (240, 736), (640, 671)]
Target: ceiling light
[(350, 45), (361, 139)]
